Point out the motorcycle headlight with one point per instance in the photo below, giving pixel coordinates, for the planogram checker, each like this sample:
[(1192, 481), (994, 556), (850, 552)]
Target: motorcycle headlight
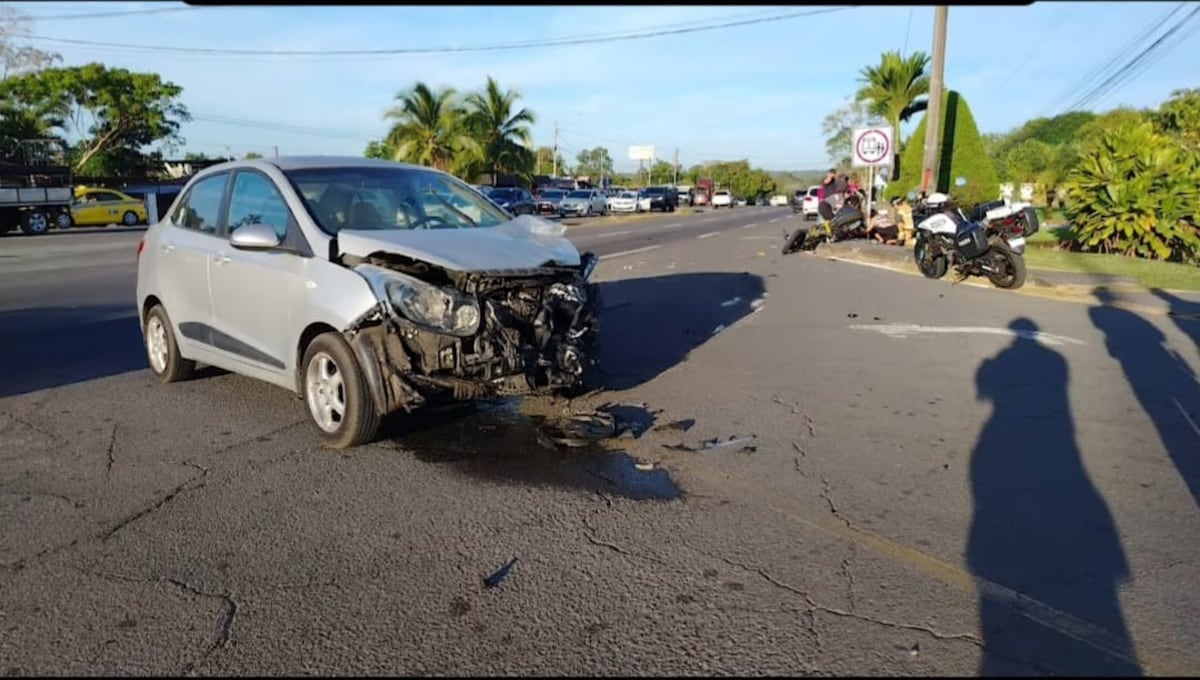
[(443, 310)]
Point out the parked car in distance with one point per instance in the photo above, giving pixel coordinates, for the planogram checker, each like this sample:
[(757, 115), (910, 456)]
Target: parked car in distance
[(722, 199), (515, 201), (583, 202), (700, 197), (548, 200), (684, 197), (805, 201), (99, 207), (661, 198), (624, 202), (364, 286)]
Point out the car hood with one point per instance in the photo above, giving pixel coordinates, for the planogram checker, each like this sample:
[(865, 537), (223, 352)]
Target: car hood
[(523, 243)]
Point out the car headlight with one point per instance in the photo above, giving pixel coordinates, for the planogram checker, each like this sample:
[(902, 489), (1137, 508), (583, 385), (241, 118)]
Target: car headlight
[(443, 310)]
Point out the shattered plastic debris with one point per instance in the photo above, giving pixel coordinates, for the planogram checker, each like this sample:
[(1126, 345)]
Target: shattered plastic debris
[(578, 430), (676, 425), (500, 574), (644, 467), (745, 442), (852, 315)]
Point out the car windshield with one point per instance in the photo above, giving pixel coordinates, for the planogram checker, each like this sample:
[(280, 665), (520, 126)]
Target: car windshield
[(553, 193), (385, 198), (579, 194), (655, 191), (628, 194), (503, 195)]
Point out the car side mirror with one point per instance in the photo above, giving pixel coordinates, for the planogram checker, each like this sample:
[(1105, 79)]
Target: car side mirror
[(255, 237)]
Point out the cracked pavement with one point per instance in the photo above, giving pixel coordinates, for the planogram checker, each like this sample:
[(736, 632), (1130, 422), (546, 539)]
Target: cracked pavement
[(907, 509)]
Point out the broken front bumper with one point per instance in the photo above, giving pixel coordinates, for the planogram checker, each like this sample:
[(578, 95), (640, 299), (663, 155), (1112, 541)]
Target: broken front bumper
[(537, 334)]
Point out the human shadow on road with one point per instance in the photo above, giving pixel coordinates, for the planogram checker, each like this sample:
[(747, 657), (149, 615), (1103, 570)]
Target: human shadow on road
[(48, 347), (1185, 314), (1163, 382), (651, 324), (1040, 527)]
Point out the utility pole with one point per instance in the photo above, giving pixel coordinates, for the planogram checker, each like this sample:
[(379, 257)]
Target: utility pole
[(554, 153), (933, 115), (676, 182), (277, 151)]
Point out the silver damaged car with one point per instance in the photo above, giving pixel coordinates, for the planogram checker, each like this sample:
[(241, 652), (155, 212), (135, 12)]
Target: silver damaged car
[(367, 287)]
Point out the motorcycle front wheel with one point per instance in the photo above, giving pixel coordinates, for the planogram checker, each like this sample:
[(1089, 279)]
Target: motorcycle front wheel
[(931, 266), (1009, 267)]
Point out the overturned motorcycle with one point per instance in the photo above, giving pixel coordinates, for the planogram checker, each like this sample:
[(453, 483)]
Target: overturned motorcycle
[(846, 224), (989, 242)]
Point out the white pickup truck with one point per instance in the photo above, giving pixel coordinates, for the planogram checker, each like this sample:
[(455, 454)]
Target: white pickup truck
[(722, 199)]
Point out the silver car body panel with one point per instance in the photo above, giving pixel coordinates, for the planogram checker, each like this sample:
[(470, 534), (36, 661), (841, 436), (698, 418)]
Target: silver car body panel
[(524, 243)]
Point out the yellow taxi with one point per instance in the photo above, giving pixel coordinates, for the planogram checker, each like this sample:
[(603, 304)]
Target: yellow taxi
[(97, 206)]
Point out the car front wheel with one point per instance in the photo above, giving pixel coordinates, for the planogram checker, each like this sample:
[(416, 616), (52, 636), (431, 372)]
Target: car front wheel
[(336, 394)]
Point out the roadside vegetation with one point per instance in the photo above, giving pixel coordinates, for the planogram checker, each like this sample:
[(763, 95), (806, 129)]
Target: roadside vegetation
[(1118, 192)]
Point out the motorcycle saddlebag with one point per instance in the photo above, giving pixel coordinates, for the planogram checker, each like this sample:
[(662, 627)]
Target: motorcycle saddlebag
[(1031, 221), (972, 241)]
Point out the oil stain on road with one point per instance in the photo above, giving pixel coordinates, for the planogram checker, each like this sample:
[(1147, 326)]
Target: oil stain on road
[(496, 443)]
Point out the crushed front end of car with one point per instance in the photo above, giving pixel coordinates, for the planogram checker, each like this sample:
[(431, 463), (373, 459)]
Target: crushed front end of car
[(439, 334)]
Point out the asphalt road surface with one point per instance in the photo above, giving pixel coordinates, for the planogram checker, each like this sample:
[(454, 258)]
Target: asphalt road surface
[(943, 480)]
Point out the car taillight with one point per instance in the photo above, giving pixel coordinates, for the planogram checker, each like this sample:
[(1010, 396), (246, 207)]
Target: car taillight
[(141, 247)]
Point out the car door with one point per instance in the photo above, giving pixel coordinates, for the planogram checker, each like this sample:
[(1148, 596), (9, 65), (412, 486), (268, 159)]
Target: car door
[(191, 236), (109, 207), (87, 209), (253, 290)]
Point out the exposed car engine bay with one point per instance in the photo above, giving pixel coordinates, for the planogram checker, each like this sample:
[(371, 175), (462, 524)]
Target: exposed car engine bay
[(439, 334)]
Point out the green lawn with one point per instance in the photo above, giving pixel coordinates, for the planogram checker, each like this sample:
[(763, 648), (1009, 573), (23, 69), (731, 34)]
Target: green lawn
[(1042, 254)]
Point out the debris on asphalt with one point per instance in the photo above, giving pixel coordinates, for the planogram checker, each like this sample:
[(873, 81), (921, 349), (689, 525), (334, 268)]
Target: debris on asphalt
[(500, 574), (731, 302), (577, 430), (878, 319), (745, 442), (915, 649), (852, 315), (644, 467), (676, 425)]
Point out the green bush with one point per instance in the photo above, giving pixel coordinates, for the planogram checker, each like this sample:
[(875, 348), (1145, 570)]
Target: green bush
[(961, 154), (1135, 192)]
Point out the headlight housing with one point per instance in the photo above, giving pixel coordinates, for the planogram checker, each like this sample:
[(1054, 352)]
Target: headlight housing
[(442, 310)]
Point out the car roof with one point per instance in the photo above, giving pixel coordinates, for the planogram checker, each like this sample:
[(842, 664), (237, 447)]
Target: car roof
[(287, 163)]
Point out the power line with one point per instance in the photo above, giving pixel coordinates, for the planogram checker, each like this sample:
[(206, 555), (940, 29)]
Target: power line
[(1128, 70), (105, 15), (557, 42), (281, 127), (1093, 76), (904, 50)]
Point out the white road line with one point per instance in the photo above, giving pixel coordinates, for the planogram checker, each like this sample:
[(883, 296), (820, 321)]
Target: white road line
[(751, 225), (774, 220), (711, 233), (615, 233), (903, 330), (673, 224), (629, 252)]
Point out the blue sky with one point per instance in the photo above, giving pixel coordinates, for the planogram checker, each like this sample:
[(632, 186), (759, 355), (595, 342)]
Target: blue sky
[(757, 92)]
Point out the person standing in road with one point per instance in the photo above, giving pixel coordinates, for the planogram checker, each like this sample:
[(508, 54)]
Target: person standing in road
[(825, 195)]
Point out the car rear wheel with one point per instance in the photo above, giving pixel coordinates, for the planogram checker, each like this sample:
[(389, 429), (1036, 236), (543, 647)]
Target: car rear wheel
[(129, 219), (35, 222), (162, 350), (336, 394)]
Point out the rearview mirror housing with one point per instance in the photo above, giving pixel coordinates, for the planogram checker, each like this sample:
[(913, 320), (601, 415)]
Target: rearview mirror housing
[(255, 237)]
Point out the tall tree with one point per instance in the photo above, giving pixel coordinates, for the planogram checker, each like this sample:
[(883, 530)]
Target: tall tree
[(502, 130), (545, 158), (430, 128), (1179, 117), (113, 112), (838, 128), (594, 163), (894, 88)]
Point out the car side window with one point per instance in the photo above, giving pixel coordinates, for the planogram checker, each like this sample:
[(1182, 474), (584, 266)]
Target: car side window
[(106, 196), (256, 200), (200, 209)]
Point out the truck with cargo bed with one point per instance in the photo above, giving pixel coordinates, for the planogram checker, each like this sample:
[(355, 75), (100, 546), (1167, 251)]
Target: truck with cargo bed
[(35, 185)]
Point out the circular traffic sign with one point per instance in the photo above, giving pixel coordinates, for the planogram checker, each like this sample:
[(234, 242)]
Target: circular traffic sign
[(873, 147)]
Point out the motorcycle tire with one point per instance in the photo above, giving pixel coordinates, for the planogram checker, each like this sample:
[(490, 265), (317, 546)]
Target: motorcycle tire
[(795, 241), (1014, 275), (935, 267)]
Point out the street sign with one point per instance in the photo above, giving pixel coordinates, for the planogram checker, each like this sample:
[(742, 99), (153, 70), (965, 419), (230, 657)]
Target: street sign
[(872, 147), (641, 153)]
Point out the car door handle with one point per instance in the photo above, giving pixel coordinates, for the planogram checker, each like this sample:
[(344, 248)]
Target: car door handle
[(167, 248), (221, 259)]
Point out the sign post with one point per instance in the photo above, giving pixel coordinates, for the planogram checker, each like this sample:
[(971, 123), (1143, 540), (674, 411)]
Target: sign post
[(872, 149)]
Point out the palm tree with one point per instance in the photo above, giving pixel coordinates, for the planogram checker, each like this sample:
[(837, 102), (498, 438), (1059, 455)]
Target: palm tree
[(894, 89), (430, 127), (504, 135)]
